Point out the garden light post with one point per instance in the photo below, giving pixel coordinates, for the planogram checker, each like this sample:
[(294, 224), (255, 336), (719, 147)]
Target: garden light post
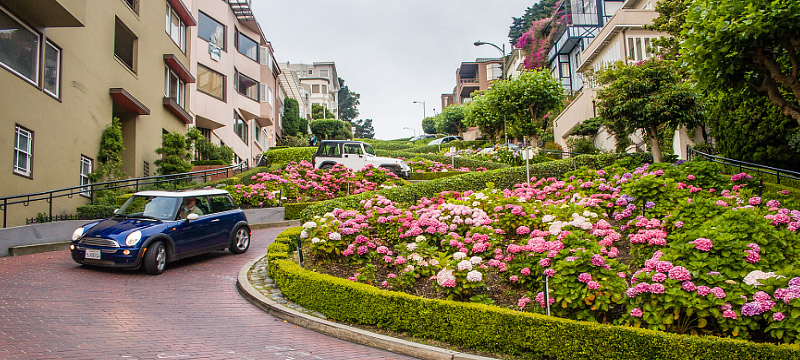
[(502, 75)]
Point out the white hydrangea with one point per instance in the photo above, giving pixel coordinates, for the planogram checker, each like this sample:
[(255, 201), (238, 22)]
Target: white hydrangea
[(755, 275), (420, 238), (587, 213), (474, 276), (548, 218), (415, 257), (480, 196), (475, 260), (464, 265), (459, 256), (309, 225), (335, 236), (315, 240), (476, 203), (303, 234)]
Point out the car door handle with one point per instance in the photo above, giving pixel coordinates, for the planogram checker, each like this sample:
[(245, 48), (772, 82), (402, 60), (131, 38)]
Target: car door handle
[(215, 220)]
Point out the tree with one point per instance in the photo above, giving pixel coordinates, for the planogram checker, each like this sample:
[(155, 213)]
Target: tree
[(754, 42), (348, 102), (671, 17), (293, 124), (204, 149), (450, 121), (478, 113), (319, 112), (646, 96), (541, 10), (364, 129), (331, 129), (176, 155), (110, 156), (429, 125)]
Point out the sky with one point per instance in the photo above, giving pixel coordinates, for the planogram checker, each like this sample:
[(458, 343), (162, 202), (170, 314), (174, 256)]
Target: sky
[(391, 52)]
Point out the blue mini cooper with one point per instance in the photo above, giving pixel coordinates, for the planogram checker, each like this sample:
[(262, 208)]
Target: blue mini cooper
[(156, 227)]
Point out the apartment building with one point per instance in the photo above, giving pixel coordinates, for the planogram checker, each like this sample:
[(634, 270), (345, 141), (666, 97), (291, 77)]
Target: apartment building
[(321, 82), (290, 82), (68, 68), (472, 76), (236, 101), (622, 38)]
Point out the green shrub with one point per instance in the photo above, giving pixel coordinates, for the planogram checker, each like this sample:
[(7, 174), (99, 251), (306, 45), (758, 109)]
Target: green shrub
[(388, 145), (208, 162), (287, 155), (459, 145), (433, 175), (459, 161), (293, 210), (95, 211), (495, 329)]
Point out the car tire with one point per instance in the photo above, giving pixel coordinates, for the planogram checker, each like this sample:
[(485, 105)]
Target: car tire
[(155, 258), (240, 240), (326, 167)]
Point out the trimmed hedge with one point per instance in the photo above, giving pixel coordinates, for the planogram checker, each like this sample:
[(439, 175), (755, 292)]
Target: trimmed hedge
[(494, 329), (433, 175), (287, 155), (95, 211), (460, 161), (502, 179), (209, 162), (388, 145), (293, 210), (460, 145)]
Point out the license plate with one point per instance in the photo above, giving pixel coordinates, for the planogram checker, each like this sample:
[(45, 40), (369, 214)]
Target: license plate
[(92, 254)]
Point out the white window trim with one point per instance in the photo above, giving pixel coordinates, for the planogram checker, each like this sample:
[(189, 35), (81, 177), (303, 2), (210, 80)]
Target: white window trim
[(181, 93), (38, 51), (182, 28), (57, 93), (27, 171), (85, 181)]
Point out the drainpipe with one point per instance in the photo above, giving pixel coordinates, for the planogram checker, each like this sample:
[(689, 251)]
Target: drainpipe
[(625, 45)]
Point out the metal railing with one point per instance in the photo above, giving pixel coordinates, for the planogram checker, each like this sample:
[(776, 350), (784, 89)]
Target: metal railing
[(135, 184), (743, 165)]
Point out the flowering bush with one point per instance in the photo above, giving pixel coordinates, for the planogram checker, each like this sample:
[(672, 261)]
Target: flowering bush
[(301, 182), (648, 247), (418, 164)]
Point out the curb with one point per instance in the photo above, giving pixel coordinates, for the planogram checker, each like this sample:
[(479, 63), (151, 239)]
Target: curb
[(340, 331)]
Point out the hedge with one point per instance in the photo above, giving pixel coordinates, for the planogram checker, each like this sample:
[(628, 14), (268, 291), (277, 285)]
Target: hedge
[(459, 161), (208, 162), (287, 155), (293, 210), (502, 178), (460, 145), (388, 145), (494, 329), (95, 211), (432, 175)]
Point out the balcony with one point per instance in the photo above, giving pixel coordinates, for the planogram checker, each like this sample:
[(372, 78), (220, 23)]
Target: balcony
[(50, 13), (624, 19), (569, 36)]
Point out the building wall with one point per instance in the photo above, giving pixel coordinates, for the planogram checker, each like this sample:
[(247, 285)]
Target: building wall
[(71, 126)]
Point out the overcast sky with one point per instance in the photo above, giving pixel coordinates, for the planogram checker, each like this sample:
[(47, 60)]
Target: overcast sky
[(391, 52)]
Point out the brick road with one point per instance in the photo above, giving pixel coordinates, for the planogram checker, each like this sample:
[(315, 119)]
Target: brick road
[(50, 308)]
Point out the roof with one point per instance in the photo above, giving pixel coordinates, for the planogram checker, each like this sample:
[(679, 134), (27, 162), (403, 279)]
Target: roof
[(342, 141), (182, 194)]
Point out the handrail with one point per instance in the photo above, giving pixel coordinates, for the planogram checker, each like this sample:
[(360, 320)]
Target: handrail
[(82, 190), (777, 172)]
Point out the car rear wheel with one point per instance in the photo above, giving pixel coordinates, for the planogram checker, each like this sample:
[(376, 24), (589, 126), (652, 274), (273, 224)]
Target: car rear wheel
[(326, 167), (240, 240), (155, 259)]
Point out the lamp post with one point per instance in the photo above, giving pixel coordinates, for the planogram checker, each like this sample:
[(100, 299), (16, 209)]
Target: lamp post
[(415, 131), (423, 107), (502, 74)]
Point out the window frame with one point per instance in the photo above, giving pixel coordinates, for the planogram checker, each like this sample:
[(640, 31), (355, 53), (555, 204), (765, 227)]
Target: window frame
[(224, 83), (135, 45), (240, 127), (85, 181), (180, 97), (238, 75), (224, 46), (59, 60), (28, 172), (37, 62), (238, 43), (172, 14)]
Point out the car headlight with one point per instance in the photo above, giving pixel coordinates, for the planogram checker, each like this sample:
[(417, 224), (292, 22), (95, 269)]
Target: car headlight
[(133, 238), (77, 233)]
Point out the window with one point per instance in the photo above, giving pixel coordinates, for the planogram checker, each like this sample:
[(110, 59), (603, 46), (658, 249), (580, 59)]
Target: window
[(220, 203), (352, 149), (247, 46), (211, 30), (23, 151), (210, 82), (266, 94), (174, 87), (310, 72), (265, 57), (240, 127), (324, 89), (52, 69), (639, 48), (270, 98), (19, 48), (146, 169), (133, 4), (315, 89), (246, 86), (86, 169), (323, 73), (175, 28), (125, 44)]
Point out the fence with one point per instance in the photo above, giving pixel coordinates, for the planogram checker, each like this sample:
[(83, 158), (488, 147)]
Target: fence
[(134, 184), (766, 173)]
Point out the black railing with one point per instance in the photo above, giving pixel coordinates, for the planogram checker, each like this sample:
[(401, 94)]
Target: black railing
[(743, 165), (89, 191)]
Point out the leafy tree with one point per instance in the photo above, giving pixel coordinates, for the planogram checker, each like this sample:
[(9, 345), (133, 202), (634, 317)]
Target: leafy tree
[(765, 141), (319, 112), (429, 125), (348, 102), (110, 156), (293, 124), (364, 129), (646, 96), (754, 42), (479, 113), (331, 129), (541, 10), (176, 154), (450, 121), (671, 17), (204, 149)]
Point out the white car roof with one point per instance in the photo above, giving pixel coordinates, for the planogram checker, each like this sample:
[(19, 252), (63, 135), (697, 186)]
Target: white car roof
[(182, 194)]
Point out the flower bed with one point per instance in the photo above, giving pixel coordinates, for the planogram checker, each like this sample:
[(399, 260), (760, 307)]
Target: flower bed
[(706, 257), (421, 165), (301, 182)]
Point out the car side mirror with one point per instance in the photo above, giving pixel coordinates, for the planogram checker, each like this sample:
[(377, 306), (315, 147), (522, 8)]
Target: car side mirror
[(115, 211), (192, 217)]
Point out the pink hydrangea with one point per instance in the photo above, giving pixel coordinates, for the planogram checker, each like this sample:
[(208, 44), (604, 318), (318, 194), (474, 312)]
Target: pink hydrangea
[(659, 277), (637, 312), (584, 277), (778, 316), (657, 288), (525, 271), (593, 285), (702, 244), (544, 262), (703, 290), (729, 314), (513, 278), (679, 273), (549, 272), (522, 302), (718, 292), (688, 286), (598, 260), (522, 230), (755, 200)]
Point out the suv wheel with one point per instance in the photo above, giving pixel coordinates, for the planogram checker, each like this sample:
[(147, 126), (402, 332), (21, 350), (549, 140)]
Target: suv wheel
[(326, 167)]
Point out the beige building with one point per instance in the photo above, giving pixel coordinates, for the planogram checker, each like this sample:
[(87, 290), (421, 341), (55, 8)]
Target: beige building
[(622, 38), (290, 82), (236, 100), (321, 83), (68, 68)]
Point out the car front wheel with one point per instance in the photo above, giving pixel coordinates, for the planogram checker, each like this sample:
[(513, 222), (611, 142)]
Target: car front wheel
[(155, 259), (240, 240)]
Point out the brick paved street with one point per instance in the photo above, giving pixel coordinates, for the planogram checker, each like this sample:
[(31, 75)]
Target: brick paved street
[(50, 307)]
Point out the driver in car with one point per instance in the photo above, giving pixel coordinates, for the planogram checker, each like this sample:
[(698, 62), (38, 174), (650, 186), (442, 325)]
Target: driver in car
[(190, 207)]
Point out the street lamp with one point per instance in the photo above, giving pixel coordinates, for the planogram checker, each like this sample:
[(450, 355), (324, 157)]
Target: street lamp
[(415, 131), (423, 107), (502, 74)]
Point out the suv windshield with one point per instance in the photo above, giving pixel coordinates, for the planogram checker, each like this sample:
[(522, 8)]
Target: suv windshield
[(150, 207), (368, 148)]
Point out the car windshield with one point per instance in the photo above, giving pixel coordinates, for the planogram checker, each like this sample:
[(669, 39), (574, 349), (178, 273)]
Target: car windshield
[(368, 149), (150, 207)]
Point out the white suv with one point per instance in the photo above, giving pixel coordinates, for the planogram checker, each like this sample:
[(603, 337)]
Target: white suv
[(355, 155)]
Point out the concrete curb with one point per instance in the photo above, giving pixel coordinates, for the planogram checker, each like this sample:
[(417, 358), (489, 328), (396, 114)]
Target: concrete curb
[(340, 331)]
